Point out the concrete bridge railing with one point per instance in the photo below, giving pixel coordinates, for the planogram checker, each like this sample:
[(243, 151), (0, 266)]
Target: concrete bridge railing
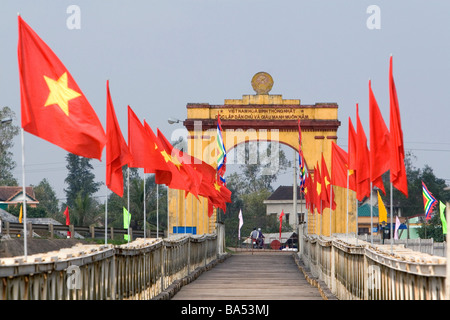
[(357, 270), (142, 269)]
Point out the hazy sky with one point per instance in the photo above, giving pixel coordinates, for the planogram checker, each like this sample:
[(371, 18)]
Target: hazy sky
[(161, 55)]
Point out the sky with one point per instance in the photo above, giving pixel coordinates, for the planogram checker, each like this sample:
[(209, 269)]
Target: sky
[(161, 55)]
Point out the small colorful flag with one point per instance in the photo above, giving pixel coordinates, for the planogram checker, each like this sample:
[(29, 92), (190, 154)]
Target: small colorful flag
[(301, 159), (222, 156), (428, 201), (20, 214), (443, 220), (241, 223), (126, 221), (382, 212), (397, 226)]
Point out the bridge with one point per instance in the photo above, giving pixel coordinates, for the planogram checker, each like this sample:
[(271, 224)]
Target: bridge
[(194, 267)]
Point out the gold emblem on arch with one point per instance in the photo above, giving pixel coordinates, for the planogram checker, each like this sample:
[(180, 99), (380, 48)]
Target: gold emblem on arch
[(262, 83)]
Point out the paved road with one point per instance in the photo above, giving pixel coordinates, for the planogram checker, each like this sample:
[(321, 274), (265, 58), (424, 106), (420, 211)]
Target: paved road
[(243, 276)]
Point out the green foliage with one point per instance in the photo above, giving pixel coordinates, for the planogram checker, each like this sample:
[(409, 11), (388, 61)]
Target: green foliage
[(432, 228), (116, 203), (413, 205), (37, 212), (7, 133), (83, 208), (80, 178), (47, 198)]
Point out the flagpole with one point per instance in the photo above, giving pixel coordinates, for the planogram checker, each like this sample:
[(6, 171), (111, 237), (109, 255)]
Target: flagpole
[(106, 218), (168, 220), (128, 201), (204, 218), (157, 210), (192, 212), (185, 214), (331, 204), (391, 213), (145, 220), (371, 214), (25, 251), (356, 213), (294, 194), (348, 178)]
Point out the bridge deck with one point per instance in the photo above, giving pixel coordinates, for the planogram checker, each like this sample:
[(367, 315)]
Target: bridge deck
[(247, 276)]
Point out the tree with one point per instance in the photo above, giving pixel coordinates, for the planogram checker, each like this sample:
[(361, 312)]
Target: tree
[(80, 178), (432, 229), (413, 205), (47, 198), (84, 210), (7, 133)]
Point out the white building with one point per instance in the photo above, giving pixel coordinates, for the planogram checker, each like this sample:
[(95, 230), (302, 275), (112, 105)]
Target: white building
[(282, 200)]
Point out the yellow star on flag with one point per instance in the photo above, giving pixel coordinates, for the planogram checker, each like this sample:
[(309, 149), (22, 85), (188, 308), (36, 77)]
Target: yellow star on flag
[(326, 182), (168, 158), (60, 93), (217, 186)]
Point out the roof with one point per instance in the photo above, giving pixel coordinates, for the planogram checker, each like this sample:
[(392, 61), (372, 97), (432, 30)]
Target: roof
[(284, 193), (6, 216), (7, 193), (364, 211)]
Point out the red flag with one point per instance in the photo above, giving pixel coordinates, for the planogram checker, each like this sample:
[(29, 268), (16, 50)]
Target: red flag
[(167, 168), (339, 168), (309, 193), (52, 105), (138, 142), (318, 189), (379, 143), (281, 221), (221, 197), (161, 163), (66, 213), (351, 145), (192, 179), (397, 164), (210, 209), (362, 161), (117, 152), (326, 179)]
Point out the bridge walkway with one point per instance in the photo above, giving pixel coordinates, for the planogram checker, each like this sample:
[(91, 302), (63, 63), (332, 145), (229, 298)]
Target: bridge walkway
[(252, 276)]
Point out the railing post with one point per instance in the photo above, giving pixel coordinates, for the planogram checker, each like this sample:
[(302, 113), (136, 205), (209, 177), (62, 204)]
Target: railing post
[(332, 269), (29, 230), (50, 230), (189, 256)]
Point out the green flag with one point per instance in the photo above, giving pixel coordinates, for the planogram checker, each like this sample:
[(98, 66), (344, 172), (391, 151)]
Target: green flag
[(443, 220), (126, 221)]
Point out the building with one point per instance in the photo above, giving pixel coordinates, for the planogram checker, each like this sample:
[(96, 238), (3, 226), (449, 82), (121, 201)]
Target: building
[(12, 196), (364, 219), (282, 200)]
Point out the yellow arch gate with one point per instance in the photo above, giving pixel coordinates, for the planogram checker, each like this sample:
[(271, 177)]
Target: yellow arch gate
[(260, 117)]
